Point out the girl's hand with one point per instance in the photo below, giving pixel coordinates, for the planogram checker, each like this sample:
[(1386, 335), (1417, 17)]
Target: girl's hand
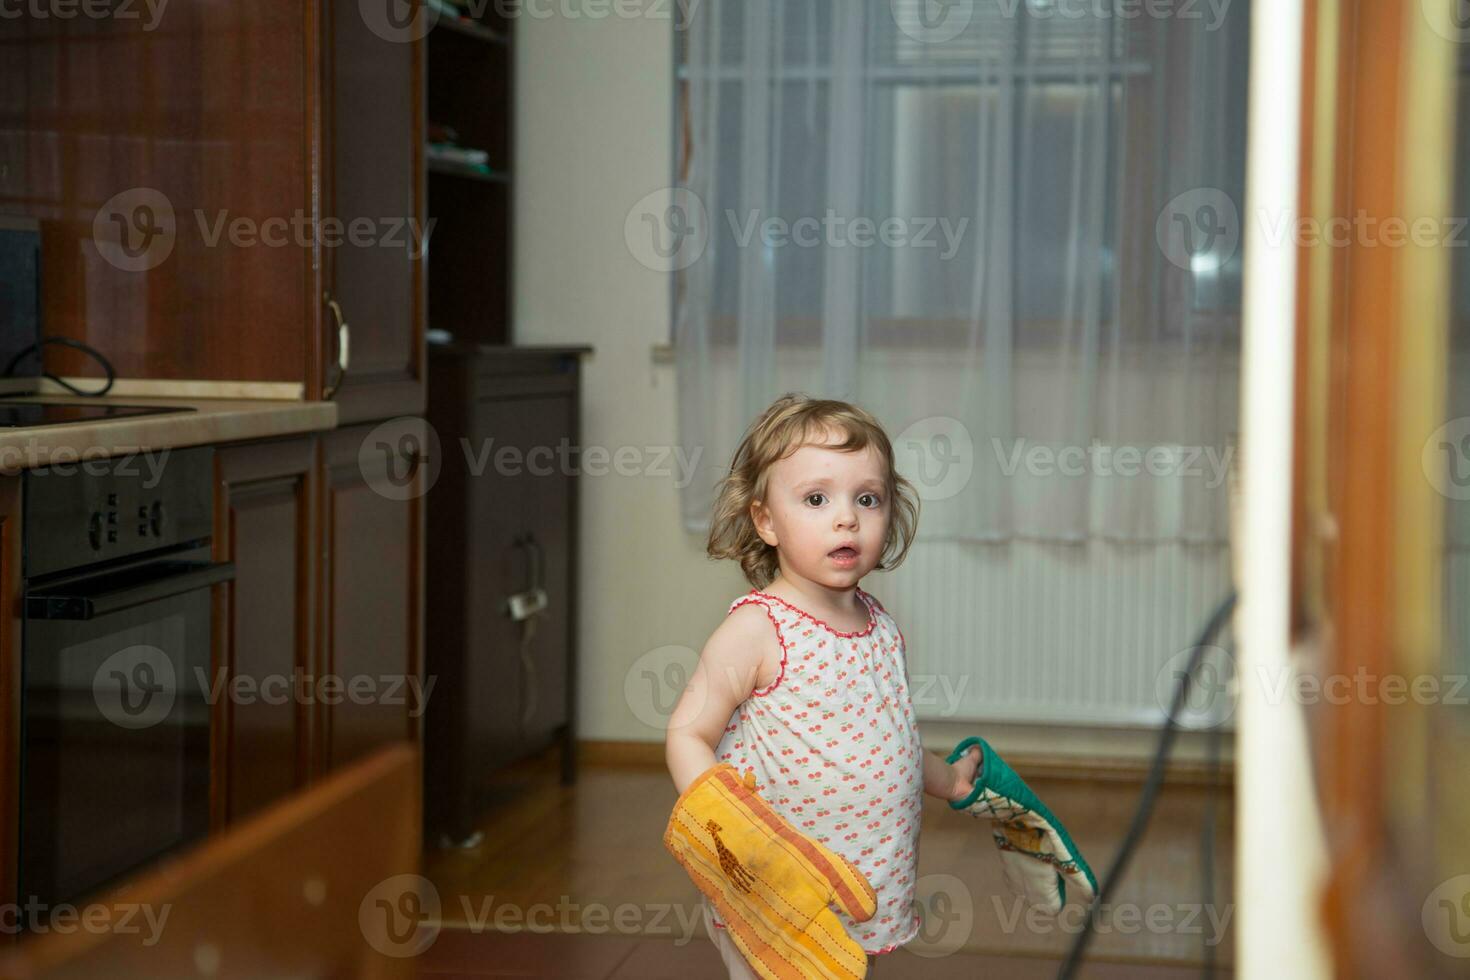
[(965, 770)]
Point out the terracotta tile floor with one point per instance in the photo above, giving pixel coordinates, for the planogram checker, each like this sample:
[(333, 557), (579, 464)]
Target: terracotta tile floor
[(585, 866)]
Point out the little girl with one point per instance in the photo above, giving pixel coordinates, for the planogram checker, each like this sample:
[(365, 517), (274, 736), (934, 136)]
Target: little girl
[(806, 679)]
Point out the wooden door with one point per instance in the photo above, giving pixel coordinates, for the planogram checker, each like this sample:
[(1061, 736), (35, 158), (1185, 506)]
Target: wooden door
[(498, 567), (373, 133), (549, 422), (371, 572), (266, 502)]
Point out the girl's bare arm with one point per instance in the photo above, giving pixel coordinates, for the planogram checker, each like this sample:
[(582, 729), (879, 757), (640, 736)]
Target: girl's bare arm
[(723, 679)]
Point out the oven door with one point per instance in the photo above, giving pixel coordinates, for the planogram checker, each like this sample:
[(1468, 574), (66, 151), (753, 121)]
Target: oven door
[(115, 719)]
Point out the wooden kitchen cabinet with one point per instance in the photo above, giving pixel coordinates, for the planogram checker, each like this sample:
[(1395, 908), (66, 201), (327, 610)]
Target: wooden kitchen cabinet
[(373, 138), (372, 582), (189, 175), (328, 554), (502, 522), (266, 522)]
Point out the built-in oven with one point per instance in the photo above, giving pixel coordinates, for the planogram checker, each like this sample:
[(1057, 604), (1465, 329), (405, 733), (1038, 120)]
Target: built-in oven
[(115, 667)]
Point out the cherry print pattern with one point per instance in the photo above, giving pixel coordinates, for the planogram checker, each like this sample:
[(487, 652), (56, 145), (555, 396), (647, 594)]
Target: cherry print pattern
[(835, 748)]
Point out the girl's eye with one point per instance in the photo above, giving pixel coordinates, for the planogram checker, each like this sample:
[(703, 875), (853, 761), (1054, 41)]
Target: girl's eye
[(876, 501)]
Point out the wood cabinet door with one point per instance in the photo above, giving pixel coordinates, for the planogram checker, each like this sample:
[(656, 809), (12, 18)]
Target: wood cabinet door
[(374, 195), (522, 506), (266, 503), (373, 593), (549, 422)]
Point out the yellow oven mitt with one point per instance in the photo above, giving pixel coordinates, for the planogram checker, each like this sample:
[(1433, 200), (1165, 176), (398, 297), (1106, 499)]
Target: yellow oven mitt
[(770, 883)]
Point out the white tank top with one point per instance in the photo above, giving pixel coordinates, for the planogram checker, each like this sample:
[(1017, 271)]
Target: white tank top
[(836, 750)]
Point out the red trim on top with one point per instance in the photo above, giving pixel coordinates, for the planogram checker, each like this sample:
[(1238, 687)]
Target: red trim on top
[(872, 615), (785, 648)]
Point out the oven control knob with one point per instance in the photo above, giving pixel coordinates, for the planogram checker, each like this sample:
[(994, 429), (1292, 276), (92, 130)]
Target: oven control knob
[(155, 520), (94, 530)]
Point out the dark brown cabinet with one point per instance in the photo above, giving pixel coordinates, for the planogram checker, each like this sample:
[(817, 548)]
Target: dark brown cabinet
[(327, 541), (372, 556), (502, 528), (266, 507), (234, 194), (373, 150)]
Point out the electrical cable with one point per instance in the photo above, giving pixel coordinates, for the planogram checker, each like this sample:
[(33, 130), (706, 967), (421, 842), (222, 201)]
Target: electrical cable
[(1151, 785), (91, 352)]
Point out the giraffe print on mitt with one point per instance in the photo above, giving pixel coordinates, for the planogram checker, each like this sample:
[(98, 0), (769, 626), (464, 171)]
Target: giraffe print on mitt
[(729, 863)]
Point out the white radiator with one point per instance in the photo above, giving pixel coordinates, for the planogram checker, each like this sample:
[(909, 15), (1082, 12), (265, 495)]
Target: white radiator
[(1034, 631)]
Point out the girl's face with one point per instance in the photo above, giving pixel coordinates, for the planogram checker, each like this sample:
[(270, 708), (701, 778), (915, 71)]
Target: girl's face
[(827, 512)]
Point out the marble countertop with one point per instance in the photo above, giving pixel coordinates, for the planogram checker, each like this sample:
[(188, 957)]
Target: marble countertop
[(213, 420)]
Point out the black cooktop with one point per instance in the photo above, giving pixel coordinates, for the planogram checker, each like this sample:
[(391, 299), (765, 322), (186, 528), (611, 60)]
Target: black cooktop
[(20, 414)]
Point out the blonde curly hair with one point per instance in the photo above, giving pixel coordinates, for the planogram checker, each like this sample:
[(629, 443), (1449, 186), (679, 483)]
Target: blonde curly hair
[(792, 421)]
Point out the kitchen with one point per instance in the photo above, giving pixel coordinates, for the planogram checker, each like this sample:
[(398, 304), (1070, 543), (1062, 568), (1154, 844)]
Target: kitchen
[(215, 452), (373, 376)]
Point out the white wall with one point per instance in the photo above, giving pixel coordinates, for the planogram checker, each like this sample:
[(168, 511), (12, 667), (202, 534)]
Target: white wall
[(594, 114)]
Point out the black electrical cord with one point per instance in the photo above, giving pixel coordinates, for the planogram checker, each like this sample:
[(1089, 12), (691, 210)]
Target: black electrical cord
[(1207, 835), (1148, 797), (75, 345)]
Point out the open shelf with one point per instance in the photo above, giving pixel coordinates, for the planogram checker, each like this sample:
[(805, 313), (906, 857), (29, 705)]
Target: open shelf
[(453, 168), (469, 28), (471, 92)]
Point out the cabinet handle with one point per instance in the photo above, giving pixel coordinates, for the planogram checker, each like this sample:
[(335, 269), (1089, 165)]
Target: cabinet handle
[(344, 339)]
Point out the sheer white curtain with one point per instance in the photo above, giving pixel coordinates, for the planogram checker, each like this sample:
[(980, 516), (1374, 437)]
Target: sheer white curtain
[(1008, 228)]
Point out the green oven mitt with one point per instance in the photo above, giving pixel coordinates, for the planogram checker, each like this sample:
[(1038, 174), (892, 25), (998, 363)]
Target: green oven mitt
[(1036, 853)]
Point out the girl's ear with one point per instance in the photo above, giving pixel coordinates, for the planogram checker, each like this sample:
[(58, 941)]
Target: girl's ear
[(760, 517)]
